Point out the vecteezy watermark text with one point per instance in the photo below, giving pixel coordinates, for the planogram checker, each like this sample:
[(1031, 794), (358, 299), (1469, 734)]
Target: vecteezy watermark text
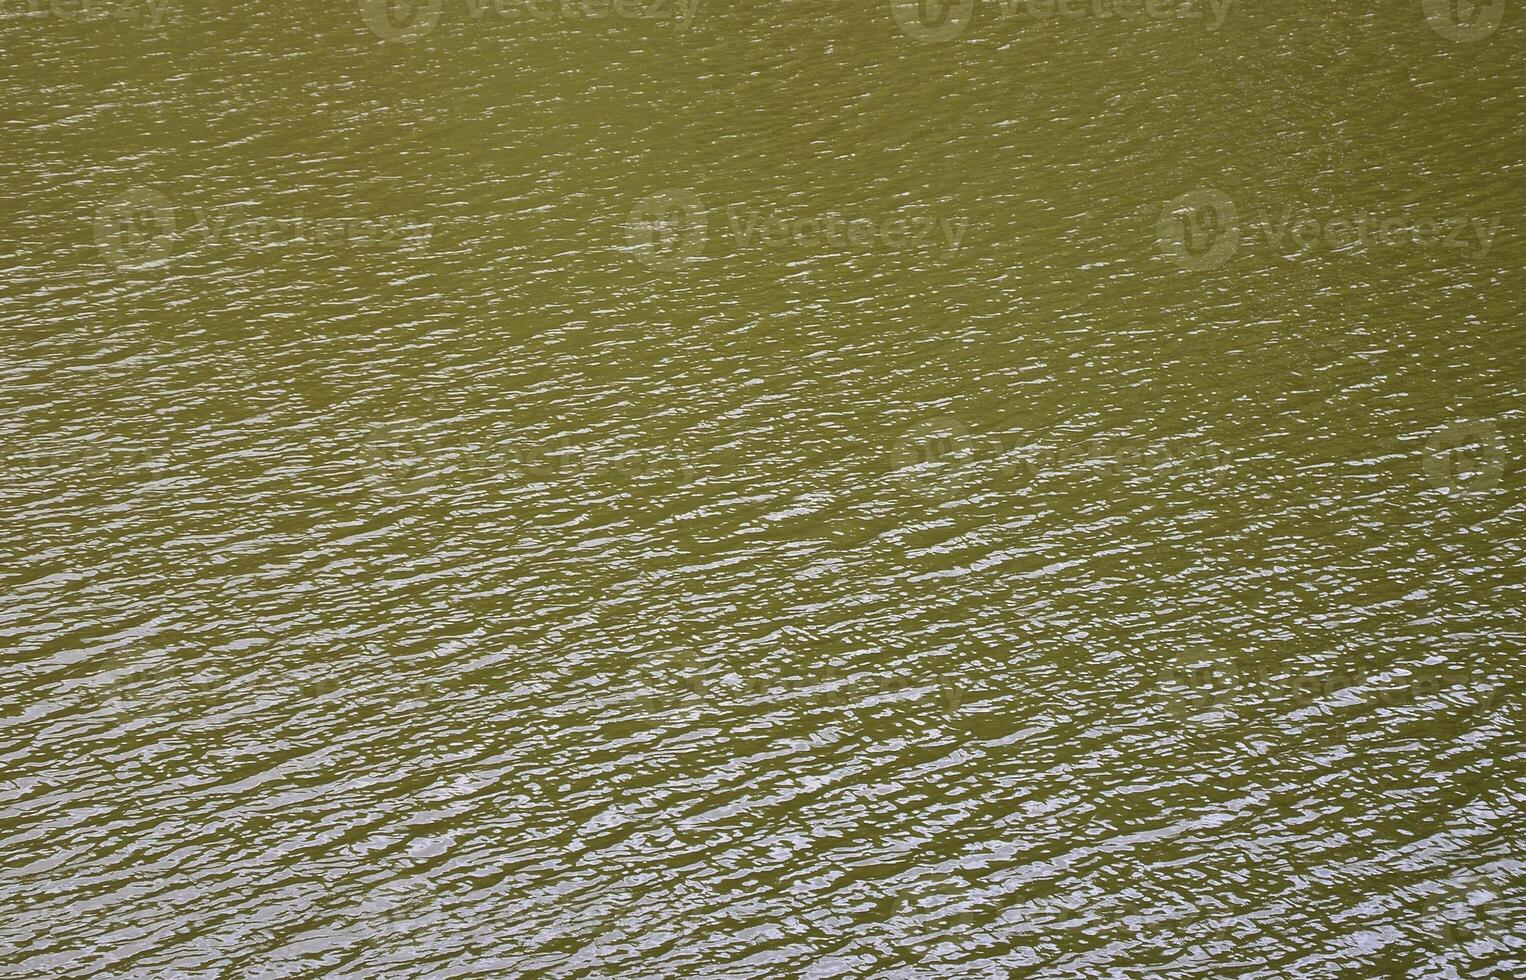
[(1465, 457), (671, 229), (398, 457), (827, 688), (774, 230), (1221, 684), (942, 458), (1464, 20), (1192, 689), (1203, 229), (135, 13), (142, 227), (946, 20), (407, 21)]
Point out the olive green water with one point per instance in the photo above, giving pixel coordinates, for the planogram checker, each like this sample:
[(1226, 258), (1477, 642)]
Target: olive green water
[(768, 495)]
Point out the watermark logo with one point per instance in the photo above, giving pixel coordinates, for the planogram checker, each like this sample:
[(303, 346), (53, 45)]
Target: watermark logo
[(907, 230), (933, 20), (946, 20), (942, 458), (668, 230), (406, 21), (1199, 697), (139, 13), (396, 458), (400, 904), (401, 20), (403, 457), (142, 687), (933, 909), (931, 440), (1159, 924), (1467, 456), (1464, 20), (929, 456), (657, 689), (1192, 690), (1203, 229), (1465, 908), (136, 228), (1199, 230), (560, 458), (141, 227)]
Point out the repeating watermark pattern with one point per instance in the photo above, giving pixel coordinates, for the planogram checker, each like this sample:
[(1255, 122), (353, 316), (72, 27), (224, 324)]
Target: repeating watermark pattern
[(1197, 695), (147, 14), (1203, 229), (401, 456), (166, 684), (401, 907), (411, 902), (668, 230), (936, 908), (942, 458), (81, 462), (933, 20), (949, 907), (1465, 908), (137, 689), (143, 227), (407, 21), (946, 20), (396, 457), (932, 456), (1465, 457), (671, 229), (1464, 20), (406, 457), (1199, 230), (561, 459), (1182, 924), (137, 227), (829, 687), (908, 230)]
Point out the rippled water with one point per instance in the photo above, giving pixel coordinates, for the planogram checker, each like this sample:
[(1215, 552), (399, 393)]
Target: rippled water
[(762, 489)]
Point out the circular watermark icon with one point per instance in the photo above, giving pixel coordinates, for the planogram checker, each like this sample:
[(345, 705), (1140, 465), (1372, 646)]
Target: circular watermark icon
[(929, 909), (932, 457), (136, 227), (1467, 456), (141, 689), (1465, 908), (667, 230), (401, 20), (1155, 923), (932, 20), (1464, 20), (1199, 230), (396, 458), (1193, 698)]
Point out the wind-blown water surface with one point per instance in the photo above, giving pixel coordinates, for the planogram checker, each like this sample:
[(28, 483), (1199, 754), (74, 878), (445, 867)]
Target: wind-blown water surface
[(762, 489)]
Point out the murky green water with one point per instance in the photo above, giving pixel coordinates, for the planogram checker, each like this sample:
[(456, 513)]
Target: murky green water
[(762, 489)]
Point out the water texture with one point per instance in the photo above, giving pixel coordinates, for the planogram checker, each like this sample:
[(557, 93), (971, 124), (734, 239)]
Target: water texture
[(662, 488)]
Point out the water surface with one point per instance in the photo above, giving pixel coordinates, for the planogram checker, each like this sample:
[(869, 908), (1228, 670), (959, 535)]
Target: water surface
[(780, 490)]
